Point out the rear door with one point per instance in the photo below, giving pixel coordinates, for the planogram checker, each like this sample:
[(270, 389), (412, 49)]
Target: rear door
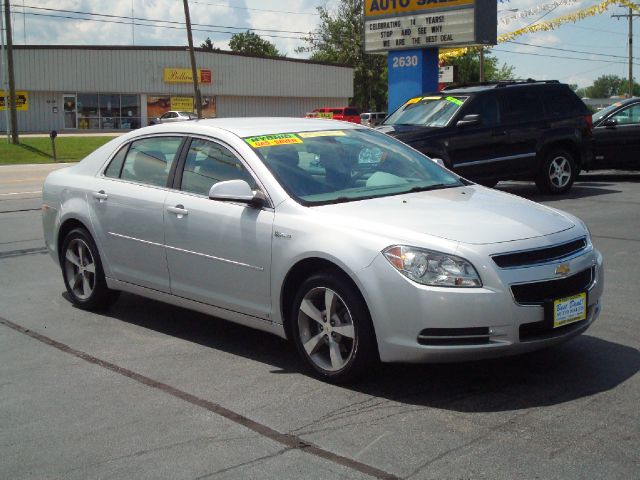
[(218, 252), (523, 118), (127, 210)]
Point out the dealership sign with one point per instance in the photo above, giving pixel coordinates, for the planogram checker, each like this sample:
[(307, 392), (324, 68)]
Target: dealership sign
[(183, 75), (416, 24)]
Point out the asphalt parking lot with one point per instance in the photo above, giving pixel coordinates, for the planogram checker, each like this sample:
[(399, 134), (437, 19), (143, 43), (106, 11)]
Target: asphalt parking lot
[(147, 390)]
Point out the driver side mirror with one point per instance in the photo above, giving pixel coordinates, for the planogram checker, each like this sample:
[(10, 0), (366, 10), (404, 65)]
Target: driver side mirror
[(610, 122), (469, 120), (237, 191)]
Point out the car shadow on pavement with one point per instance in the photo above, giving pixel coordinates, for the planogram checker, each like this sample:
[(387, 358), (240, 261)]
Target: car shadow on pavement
[(578, 190), (580, 368)]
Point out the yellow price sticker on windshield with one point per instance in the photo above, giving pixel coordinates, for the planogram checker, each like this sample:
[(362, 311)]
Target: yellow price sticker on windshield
[(413, 100), (326, 133), (273, 140)]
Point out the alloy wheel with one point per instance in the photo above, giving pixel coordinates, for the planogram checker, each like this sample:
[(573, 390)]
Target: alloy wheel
[(560, 172), (327, 332), (80, 268)]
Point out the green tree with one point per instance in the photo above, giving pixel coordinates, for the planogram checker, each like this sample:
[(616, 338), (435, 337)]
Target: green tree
[(208, 45), (467, 67), (253, 44), (607, 86), (340, 39)]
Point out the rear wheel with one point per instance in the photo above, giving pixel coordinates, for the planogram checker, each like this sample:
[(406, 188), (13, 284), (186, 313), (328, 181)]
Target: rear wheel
[(558, 172), (332, 328), (82, 272)]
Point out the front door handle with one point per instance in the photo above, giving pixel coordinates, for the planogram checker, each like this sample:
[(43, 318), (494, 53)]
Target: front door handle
[(101, 196), (179, 210)]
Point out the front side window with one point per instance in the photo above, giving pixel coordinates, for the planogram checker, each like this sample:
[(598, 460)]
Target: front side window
[(345, 165), (521, 106), (208, 163), (628, 116), (430, 111), (149, 160), (487, 107)]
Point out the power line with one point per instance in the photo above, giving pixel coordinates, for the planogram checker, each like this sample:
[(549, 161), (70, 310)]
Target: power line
[(570, 51), (596, 30), (78, 12), (129, 23), (564, 58), (251, 9)]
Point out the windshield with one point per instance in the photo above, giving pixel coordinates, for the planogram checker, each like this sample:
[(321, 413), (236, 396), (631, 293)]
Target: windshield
[(344, 165), (432, 111), (605, 111)]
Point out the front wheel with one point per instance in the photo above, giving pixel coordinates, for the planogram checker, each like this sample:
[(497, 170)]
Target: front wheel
[(558, 172), (332, 328), (82, 272)]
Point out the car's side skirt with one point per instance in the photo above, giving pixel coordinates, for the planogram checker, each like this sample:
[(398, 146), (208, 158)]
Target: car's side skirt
[(230, 315)]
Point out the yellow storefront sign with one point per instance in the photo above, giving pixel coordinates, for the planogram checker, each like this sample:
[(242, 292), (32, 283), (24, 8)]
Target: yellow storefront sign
[(22, 100), (373, 8), (184, 104), (183, 75)]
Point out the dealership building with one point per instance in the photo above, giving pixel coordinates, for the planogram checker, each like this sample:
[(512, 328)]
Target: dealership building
[(72, 88)]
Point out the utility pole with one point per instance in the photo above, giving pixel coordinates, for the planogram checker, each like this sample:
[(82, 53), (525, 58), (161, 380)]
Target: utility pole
[(482, 64), (630, 16), (10, 100), (194, 70), (3, 83)]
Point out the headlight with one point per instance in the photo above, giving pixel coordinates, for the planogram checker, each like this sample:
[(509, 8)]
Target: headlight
[(432, 268)]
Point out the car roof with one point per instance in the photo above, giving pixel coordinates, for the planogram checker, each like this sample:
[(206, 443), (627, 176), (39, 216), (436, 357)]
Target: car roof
[(485, 86), (254, 126)]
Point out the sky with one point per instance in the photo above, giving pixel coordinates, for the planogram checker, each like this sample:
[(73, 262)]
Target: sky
[(587, 49)]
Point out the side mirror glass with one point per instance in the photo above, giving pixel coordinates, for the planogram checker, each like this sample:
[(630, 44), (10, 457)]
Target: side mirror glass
[(469, 120), (237, 191), (610, 122)]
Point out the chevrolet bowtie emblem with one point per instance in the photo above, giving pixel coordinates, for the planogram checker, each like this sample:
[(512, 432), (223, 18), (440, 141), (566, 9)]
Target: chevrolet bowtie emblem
[(563, 269)]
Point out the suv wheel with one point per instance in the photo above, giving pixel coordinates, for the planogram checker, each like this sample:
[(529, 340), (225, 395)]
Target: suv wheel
[(332, 328), (558, 173)]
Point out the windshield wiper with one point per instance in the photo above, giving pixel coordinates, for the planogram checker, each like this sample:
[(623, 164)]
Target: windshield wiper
[(436, 186)]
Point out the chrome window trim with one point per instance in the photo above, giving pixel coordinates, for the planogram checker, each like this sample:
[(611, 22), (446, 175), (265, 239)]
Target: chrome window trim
[(225, 260)]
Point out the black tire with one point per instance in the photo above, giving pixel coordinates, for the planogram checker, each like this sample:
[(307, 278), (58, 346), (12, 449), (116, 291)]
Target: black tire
[(558, 172), (350, 316), (82, 272)]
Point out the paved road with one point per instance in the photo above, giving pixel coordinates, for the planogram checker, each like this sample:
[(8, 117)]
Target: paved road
[(151, 391)]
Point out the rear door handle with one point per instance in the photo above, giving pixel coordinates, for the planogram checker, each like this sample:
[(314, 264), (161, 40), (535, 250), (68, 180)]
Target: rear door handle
[(179, 210), (101, 196)]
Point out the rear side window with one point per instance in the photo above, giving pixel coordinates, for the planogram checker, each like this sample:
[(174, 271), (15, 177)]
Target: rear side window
[(559, 102), (115, 167), (149, 160), (520, 105)]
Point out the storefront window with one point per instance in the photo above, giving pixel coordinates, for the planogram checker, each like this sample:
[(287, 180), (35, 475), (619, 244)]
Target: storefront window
[(108, 111)]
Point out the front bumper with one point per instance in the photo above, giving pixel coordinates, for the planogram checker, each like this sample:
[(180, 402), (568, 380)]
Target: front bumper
[(401, 309)]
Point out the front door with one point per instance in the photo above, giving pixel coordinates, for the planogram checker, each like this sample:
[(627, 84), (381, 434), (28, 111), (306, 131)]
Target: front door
[(70, 111), (618, 146), (218, 252)]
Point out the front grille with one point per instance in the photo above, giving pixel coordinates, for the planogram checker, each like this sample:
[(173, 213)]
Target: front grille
[(454, 336), (541, 255), (536, 293)]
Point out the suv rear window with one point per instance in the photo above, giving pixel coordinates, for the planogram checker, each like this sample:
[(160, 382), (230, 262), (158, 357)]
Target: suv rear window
[(559, 102)]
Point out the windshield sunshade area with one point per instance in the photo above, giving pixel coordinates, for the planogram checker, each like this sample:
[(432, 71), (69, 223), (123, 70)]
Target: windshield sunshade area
[(431, 111), (336, 166)]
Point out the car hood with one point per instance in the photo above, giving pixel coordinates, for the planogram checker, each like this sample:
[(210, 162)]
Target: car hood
[(407, 132), (472, 215)]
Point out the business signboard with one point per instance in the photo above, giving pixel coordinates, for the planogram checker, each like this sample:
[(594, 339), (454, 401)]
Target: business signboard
[(183, 75), (21, 98), (416, 24)]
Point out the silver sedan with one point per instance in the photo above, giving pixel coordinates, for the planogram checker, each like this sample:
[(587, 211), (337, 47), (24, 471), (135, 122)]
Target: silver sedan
[(342, 239)]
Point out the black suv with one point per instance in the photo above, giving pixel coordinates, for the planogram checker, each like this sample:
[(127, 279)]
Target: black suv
[(512, 130)]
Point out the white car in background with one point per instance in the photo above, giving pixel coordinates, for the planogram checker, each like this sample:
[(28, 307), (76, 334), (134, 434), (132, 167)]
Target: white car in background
[(173, 116), (341, 238)]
